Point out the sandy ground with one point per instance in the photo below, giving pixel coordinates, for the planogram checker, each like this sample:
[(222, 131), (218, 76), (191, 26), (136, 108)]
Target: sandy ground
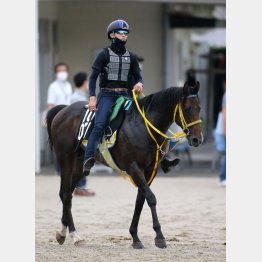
[(191, 211)]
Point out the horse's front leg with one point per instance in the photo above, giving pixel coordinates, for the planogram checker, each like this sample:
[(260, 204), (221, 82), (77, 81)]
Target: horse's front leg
[(140, 200), (151, 201), (139, 179)]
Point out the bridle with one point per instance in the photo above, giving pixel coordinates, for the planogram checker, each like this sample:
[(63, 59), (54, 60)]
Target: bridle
[(182, 118)]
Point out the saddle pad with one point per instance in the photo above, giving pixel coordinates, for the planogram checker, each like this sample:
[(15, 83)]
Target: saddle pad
[(105, 152), (85, 127), (117, 106)]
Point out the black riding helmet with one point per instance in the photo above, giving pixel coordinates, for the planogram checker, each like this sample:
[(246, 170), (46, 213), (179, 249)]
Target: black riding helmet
[(117, 25)]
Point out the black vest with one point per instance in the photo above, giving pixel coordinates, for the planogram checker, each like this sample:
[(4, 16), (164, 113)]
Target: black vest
[(116, 72)]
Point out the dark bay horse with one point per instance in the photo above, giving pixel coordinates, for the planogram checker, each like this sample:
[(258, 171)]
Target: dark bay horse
[(134, 151)]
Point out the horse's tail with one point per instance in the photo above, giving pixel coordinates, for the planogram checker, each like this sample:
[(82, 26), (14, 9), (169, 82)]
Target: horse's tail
[(49, 118)]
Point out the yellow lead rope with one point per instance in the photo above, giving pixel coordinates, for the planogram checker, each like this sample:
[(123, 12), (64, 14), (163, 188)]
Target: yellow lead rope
[(157, 152)]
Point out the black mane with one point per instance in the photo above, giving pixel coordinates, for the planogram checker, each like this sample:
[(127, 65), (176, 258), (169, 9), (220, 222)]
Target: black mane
[(166, 98)]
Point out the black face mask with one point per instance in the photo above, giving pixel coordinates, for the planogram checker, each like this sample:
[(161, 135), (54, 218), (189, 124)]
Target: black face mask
[(118, 42), (118, 46)]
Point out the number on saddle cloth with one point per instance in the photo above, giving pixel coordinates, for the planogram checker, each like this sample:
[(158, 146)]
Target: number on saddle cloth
[(86, 126)]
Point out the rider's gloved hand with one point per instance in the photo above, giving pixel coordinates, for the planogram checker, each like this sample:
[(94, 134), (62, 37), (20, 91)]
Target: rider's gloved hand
[(138, 87)]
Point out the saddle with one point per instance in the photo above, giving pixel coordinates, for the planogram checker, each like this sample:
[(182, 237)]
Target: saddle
[(115, 120)]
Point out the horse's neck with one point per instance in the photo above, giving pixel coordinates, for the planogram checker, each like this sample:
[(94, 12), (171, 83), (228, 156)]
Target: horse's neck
[(161, 119)]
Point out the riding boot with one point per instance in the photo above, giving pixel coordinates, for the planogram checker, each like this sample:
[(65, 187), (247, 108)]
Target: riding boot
[(166, 163), (93, 142)]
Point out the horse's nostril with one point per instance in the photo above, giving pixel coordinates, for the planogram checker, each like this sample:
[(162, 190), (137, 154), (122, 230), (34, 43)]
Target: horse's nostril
[(195, 140)]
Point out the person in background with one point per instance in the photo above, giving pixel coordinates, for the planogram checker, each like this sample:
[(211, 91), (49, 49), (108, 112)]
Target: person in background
[(80, 94), (220, 139), (59, 93), (223, 164)]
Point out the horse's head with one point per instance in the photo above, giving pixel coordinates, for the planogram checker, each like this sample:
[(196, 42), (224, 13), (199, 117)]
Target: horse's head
[(187, 116)]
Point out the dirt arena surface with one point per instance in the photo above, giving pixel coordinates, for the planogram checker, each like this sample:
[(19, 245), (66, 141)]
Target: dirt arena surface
[(191, 211)]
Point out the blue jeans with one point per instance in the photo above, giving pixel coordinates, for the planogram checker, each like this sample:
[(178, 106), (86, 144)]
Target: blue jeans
[(222, 174), (105, 101), (220, 142)]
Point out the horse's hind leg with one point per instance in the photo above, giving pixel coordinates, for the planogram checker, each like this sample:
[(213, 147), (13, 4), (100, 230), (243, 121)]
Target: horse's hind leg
[(77, 239), (66, 190), (66, 220), (61, 235), (140, 200)]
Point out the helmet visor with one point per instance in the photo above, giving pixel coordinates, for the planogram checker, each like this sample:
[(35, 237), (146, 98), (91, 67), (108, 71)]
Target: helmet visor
[(122, 32)]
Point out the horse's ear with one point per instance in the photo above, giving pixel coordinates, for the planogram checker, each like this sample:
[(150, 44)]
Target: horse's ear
[(197, 86), (186, 89)]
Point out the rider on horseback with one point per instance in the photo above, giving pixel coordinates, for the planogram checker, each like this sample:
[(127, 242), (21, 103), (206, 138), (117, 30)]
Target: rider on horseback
[(116, 66)]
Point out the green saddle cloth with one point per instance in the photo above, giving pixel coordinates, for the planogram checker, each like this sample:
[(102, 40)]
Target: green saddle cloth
[(117, 106)]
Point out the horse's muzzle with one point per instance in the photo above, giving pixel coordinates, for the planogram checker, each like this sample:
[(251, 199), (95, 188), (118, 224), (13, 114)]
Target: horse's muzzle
[(195, 141)]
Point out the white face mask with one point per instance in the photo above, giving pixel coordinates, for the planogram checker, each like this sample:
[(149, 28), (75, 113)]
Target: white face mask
[(62, 76)]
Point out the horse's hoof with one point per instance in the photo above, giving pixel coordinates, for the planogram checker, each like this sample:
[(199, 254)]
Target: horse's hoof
[(80, 243), (77, 240), (138, 245), (60, 239), (161, 243)]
